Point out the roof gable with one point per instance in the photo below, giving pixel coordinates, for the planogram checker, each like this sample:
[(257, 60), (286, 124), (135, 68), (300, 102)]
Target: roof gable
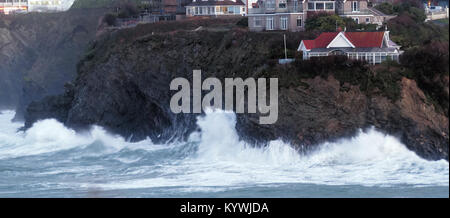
[(340, 41)]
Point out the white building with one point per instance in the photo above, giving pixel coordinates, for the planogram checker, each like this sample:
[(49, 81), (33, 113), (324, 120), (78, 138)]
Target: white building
[(49, 5), (373, 47), (215, 8)]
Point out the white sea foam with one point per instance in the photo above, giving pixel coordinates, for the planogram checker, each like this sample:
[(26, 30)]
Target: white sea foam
[(47, 136), (220, 159)]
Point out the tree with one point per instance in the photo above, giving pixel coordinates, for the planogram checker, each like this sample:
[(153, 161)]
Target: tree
[(324, 22), (386, 8), (429, 67), (110, 19), (127, 9)]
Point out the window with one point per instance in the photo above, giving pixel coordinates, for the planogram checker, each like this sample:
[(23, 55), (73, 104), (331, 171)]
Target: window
[(298, 6), (356, 20), (393, 57), (355, 6), (320, 6), (258, 21), (282, 4), (284, 23), (270, 4), (351, 55), (377, 58), (299, 21), (230, 10), (329, 6), (196, 10), (269, 23), (368, 20), (311, 6)]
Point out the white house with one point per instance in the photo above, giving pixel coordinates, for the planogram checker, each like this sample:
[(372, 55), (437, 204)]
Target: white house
[(215, 8), (373, 47)]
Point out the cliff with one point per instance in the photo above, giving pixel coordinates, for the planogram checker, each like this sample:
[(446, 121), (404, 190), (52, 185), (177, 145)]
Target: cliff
[(39, 53), (123, 85)]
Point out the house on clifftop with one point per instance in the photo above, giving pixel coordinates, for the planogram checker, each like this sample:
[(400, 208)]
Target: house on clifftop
[(291, 15), (373, 47), (215, 8)]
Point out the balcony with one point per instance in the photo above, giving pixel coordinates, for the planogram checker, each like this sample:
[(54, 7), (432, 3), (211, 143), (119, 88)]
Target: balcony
[(288, 9), (360, 12), (10, 4)]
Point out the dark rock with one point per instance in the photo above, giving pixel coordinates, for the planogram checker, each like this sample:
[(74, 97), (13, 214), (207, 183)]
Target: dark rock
[(123, 85)]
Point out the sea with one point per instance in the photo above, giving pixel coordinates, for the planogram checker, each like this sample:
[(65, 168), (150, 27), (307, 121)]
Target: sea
[(50, 160)]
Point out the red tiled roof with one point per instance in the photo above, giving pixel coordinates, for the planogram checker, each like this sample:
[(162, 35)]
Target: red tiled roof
[(320, 42), (358, 39), (365, 39)]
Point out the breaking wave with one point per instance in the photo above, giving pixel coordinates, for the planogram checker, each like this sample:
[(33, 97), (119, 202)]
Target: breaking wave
[(50, 156)]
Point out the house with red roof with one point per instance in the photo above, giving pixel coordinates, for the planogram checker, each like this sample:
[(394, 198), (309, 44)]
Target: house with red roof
[(373, 47)]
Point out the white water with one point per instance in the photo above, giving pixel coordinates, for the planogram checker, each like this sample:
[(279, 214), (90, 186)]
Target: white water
[(52, 157)]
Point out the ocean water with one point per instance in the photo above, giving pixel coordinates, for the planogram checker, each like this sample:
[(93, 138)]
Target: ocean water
[(50, 160)]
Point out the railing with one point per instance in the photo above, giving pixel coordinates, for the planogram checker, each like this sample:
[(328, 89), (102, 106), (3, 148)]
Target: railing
[(360, 12), (289, 9), (152, 18), (9, 4), (438, 15)]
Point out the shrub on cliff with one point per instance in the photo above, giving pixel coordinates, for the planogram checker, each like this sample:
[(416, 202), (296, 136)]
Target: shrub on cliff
[(380, 79), (429, 66), (324, 22), (110, 19), (127, 9), (386, 8), (344, 69), (409, 33), (243, 22), (385, 78)]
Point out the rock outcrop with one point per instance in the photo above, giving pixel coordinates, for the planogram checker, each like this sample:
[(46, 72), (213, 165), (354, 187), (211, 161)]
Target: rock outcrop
[(123, 85), (39, 53)]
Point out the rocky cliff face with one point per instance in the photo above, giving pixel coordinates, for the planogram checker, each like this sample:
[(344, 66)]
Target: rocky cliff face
[(123, 85), (39, 53)]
